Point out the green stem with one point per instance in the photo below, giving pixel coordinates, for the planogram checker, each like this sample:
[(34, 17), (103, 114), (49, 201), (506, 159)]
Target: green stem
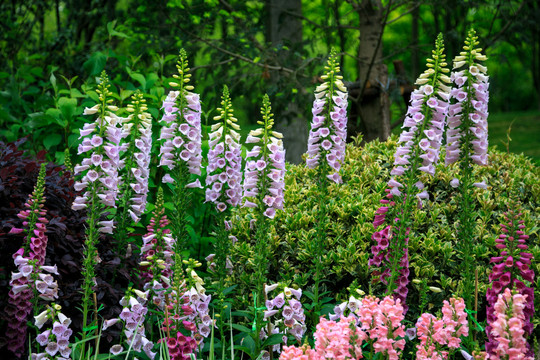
[(89, 261)]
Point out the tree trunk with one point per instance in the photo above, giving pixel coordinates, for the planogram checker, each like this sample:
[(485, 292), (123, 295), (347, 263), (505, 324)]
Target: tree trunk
[(283, 28), (372, 105)]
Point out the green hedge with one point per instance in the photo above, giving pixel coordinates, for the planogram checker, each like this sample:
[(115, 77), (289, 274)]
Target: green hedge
[(351, 210)]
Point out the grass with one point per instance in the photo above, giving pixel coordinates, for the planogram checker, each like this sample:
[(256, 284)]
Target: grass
[(523, 129)]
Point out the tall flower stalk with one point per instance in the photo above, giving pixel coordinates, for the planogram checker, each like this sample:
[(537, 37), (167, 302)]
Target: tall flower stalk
[(33, 280), (99, 182), (224, 189), (263, 187), (263, 190), (512, 271), (326, 152), (137, 129), (181, 149), (418, 152), (467, 144)]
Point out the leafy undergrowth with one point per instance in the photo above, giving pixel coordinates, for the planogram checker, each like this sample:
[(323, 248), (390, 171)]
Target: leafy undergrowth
[(351, 211)]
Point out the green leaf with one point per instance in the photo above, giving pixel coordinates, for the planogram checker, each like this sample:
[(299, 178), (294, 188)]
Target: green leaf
[(241, 313), (229, 289), (273, 339), (72, 139), (124, 94), (68, 107), (112, 32), (52, 79), (52, 140), (151, 79), (241, 328), (96, 63), (140, 78), (75, 93), (54, 114), (69, 81), (309, 294)]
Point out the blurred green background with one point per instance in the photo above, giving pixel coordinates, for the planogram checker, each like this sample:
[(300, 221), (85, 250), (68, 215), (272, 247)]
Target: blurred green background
[(51, 52)]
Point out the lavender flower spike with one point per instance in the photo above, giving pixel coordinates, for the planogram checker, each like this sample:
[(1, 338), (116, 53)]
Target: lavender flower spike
[(101, 144), (467, 134), (423, 125), (265, 169), (326, 142), (224, 159), (182, 127), (139, 125)]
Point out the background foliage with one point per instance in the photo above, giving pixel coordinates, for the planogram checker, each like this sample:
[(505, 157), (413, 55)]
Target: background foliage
[(52, 50)]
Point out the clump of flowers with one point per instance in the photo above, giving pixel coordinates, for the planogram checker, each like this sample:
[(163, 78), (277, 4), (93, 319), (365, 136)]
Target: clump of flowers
[(288, 313), (436, 335), (339, 340), (56, 340), (304, 352), (181, 346), (380, 320), (467, 142), (511, 271), (179, 314), (417, 153), (33, 280), (132, 319), (508, 328), (333, 340), (326, 142), (196, 308), (157, 250), (224, 180)]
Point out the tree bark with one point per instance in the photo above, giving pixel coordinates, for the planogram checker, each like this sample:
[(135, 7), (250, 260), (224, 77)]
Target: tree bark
[(285, 29), (373, 104)]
